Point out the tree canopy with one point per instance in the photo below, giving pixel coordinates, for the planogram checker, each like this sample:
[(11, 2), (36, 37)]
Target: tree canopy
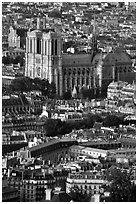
[(10, 60), (55, 14), (79, 195), (26, 84), (112, 120), (122, 189), (54, 127)]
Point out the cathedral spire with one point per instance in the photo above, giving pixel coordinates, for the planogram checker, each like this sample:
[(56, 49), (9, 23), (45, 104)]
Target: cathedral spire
[(94, 47), (94, 26)]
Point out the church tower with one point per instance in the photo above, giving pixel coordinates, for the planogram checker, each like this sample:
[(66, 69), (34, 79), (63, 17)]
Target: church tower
[(43, 56)]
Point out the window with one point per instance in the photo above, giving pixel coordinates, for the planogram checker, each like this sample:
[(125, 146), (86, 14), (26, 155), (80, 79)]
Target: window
[(38, 46), (52, 47), (46, 47), (56, 47)]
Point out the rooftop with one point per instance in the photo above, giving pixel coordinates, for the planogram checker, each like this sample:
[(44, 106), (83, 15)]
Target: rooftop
[(52, 142), (76, 59), (8, 190)]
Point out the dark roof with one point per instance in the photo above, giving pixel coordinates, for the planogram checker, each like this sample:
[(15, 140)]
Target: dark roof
[(11, 102), (17, 138), (76, 60), (91, 143), (41, 176), (60, 173), (61, 197), (52, 142), (21, 100), (12, 147), (8, 190), (129, 141), (117, 57)]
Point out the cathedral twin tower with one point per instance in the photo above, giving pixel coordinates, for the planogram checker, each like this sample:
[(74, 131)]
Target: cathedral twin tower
[(44, 59)]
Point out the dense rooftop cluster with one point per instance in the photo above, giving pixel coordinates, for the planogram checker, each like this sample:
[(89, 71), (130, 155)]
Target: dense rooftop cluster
[(68, 148)]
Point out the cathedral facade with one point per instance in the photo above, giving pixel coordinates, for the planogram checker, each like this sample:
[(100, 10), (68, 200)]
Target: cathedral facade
[(44, 59)]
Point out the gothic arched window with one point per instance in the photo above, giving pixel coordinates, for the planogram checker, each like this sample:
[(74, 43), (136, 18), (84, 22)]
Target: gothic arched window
[(125, 69), (56, 47), (46, 47), (30, 45), (38, 46), (52, 47)]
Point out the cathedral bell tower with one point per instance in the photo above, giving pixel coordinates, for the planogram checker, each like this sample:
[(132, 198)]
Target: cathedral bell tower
[(43, 56)]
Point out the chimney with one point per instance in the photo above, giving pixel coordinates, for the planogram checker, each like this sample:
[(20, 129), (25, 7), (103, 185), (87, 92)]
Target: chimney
[(9, 173), (38, 23), (48, 194), (44, 23), (96, 197)]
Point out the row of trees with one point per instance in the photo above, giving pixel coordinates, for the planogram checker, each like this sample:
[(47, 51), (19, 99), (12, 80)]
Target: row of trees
[(10, 60), (55, 127), (26, 84), (121, 189)]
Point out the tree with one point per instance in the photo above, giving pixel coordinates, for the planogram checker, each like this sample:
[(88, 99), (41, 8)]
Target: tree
[(18, 59), (87, 93), (55, 13), (79, 195), (17, 85), (41, 85), (67, 95), (52, 126), (37, 84), (121, 188), (91, 119), (6, 60), (45, 87), (52, 90), (112, 120), (21, 84)]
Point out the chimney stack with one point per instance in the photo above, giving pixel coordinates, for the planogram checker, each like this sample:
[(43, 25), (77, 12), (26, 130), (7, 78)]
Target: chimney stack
[(48, 194), (97, 197), (9, 173)]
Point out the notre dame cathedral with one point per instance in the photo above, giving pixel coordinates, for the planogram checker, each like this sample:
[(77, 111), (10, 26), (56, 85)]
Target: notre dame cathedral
[(45, 60)]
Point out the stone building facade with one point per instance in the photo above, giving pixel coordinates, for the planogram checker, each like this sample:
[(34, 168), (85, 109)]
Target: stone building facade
[(17, 37), (43, 57)]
